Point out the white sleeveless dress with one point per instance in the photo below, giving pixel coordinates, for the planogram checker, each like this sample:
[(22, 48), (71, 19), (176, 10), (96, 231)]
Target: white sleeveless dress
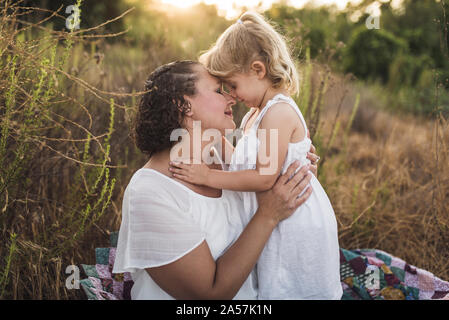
[(301, 259)]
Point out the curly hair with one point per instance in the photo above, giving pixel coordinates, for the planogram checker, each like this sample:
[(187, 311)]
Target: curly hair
[(162, 109), (253, 38)]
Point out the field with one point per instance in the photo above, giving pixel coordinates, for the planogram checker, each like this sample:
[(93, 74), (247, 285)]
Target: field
[(68, 100)]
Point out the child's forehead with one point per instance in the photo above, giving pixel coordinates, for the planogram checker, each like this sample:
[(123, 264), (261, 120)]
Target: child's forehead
[(236, 76), (230, 77), (216, 78), (209, 78)]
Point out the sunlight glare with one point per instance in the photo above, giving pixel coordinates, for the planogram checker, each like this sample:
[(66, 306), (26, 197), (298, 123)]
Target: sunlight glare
[(231, 9), (183, 4)]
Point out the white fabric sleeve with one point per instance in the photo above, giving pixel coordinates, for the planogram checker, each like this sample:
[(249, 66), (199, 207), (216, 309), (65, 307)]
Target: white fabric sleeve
[(155, 230)]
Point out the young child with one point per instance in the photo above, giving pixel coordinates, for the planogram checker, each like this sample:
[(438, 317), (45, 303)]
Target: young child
[(301, 258)]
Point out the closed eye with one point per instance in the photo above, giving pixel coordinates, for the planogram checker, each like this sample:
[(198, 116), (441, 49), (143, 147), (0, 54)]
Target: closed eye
[(225, 88), (233, 86)]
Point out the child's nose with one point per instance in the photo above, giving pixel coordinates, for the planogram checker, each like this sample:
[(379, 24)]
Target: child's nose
[(230, 99)]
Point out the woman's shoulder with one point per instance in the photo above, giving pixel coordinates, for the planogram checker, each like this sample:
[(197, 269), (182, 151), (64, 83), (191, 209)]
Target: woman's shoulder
[(148, 183)]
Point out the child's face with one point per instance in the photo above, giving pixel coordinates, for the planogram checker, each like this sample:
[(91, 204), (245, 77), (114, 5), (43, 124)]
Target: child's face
[(247, 87)]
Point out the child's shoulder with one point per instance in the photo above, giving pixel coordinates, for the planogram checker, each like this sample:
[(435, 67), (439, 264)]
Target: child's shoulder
[(280, 112)]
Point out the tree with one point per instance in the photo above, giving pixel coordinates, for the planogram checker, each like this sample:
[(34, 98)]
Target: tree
[(93, 12), (370, 53)]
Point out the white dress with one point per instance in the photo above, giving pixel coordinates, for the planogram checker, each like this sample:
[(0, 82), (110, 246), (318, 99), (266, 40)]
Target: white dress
[(301, 259), (163, 220)]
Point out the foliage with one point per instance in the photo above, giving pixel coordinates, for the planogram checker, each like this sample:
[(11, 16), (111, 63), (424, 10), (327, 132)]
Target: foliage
[(93, 13), (40, 132), (67, 99), (369, 53)]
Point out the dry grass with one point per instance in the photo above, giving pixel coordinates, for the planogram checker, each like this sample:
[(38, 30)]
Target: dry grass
[(387, 177), (390, 189)]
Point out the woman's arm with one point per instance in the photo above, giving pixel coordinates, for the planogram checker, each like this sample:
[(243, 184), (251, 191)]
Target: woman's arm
[(197, 276)]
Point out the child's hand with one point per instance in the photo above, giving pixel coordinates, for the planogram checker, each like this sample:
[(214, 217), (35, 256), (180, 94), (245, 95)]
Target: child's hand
[(313, 157), (192, 173)]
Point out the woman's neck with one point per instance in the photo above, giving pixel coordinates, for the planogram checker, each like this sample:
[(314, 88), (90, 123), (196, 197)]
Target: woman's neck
[(183, 151), (192, 148), (160, 162)]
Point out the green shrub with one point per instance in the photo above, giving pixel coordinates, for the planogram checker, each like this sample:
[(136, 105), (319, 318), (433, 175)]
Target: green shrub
[(370, 53), (409, 70), (44, 117)]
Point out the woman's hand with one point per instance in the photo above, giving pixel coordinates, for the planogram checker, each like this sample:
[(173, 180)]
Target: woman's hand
[(282, 200), (313, 157), (192, 173)]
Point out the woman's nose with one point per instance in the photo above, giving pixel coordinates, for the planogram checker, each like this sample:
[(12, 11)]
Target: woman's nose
[(233, 94), (230, 99)]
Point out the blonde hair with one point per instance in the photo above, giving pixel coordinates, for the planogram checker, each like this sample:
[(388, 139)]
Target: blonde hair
[(252, 38)]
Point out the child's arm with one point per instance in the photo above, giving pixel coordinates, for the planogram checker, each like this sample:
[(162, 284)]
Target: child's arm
[(281, 120), (245, 180)]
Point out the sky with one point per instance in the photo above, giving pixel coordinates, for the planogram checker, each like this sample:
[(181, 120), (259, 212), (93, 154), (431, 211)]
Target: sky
[(230, 8)]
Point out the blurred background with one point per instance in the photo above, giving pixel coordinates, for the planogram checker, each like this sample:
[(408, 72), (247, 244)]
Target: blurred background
[(374, 91)]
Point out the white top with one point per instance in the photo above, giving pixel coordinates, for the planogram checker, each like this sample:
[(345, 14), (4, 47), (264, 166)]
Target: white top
[(301, 260), (163, 220)]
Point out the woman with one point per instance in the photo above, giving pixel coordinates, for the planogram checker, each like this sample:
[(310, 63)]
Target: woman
[(185, 241)]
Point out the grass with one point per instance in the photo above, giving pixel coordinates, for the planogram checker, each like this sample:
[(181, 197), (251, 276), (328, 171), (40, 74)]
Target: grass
[(389, 186), (67, 100)]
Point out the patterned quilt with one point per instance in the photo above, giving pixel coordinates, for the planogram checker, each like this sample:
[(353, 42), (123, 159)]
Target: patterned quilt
[(366, 274)]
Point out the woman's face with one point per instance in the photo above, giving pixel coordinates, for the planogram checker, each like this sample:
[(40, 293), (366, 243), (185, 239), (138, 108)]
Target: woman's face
[(211, 105)]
